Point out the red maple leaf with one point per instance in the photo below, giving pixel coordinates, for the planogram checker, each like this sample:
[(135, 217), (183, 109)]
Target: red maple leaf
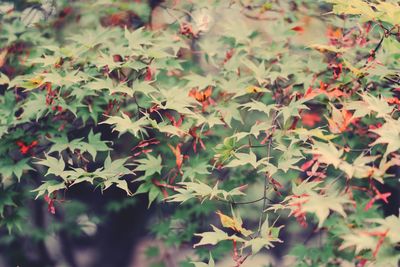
[(50, 204), (310, 119), (24, 149), (149, 74), (298, 29), (378, 195), (178, 156)]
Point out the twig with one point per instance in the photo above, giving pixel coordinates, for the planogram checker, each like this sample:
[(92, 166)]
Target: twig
[(232, 202), (391, 80), (266, 178)]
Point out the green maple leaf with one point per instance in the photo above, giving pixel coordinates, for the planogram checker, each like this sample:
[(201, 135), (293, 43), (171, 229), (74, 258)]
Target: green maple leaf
[(89, 39), (95, 144), (115, 167), (356, 7), (113, 87), (217, 235), (268, 235), (55, 166), (210, 263), (390, 224), (68, 79), (108, 61), (152, 192), (149, 165), (321, 205), (62, 143), (389, 134), (203, 191), (49, 187), (8, 168), (138, 38), (122, 184), (124, 124), (46, 60), (359, 240), (143, 87), (6, 199), (378, 105), (243, 159), (259, 106), (292, 110), (305, 134), (195, 80), (260, 72), (197, 167), (327, 153), (229, 112), (34, 107), (176, 98), (359, 168), (234, 85)]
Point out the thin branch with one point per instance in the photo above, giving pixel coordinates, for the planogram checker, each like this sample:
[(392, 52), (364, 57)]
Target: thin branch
[(391, 80), (232, 202), (266, 178), (373, 52)]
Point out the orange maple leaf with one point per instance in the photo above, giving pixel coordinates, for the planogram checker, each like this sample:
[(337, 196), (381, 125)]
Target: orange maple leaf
[(310, 119), (340, 120), (201, 96), (178, 155)]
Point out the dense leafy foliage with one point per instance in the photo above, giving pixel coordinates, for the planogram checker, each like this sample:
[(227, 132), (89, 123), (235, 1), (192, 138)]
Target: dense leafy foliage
[(250, 120)]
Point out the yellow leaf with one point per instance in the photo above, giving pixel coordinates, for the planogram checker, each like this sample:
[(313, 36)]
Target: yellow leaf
[(253, 89), (233, 224)]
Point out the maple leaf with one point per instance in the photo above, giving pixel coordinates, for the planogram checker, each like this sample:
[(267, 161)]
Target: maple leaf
[(49, 187), (259, 106), (95, 144), (360, 240), (124, 124), (55, 166), (305, 134), (292, 110), (357, 7), (310, 119), (233, 223), (309, 197), (260, 72), (50, 204), (388, 134), (217, 235), (243, 159), (378, 105), (149, 165), (359, 167), (200, 82), (113, 87), (178, 156), (340, 120), (390, 224), (201, 96), (378, 195), (298, 29), (327, 153), (210, 263), (268, 235), (321, 205), (24, 149), (8, 168), (203, 191)]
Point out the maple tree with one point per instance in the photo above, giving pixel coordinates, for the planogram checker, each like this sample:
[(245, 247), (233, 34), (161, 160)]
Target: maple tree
[(247, 130)]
